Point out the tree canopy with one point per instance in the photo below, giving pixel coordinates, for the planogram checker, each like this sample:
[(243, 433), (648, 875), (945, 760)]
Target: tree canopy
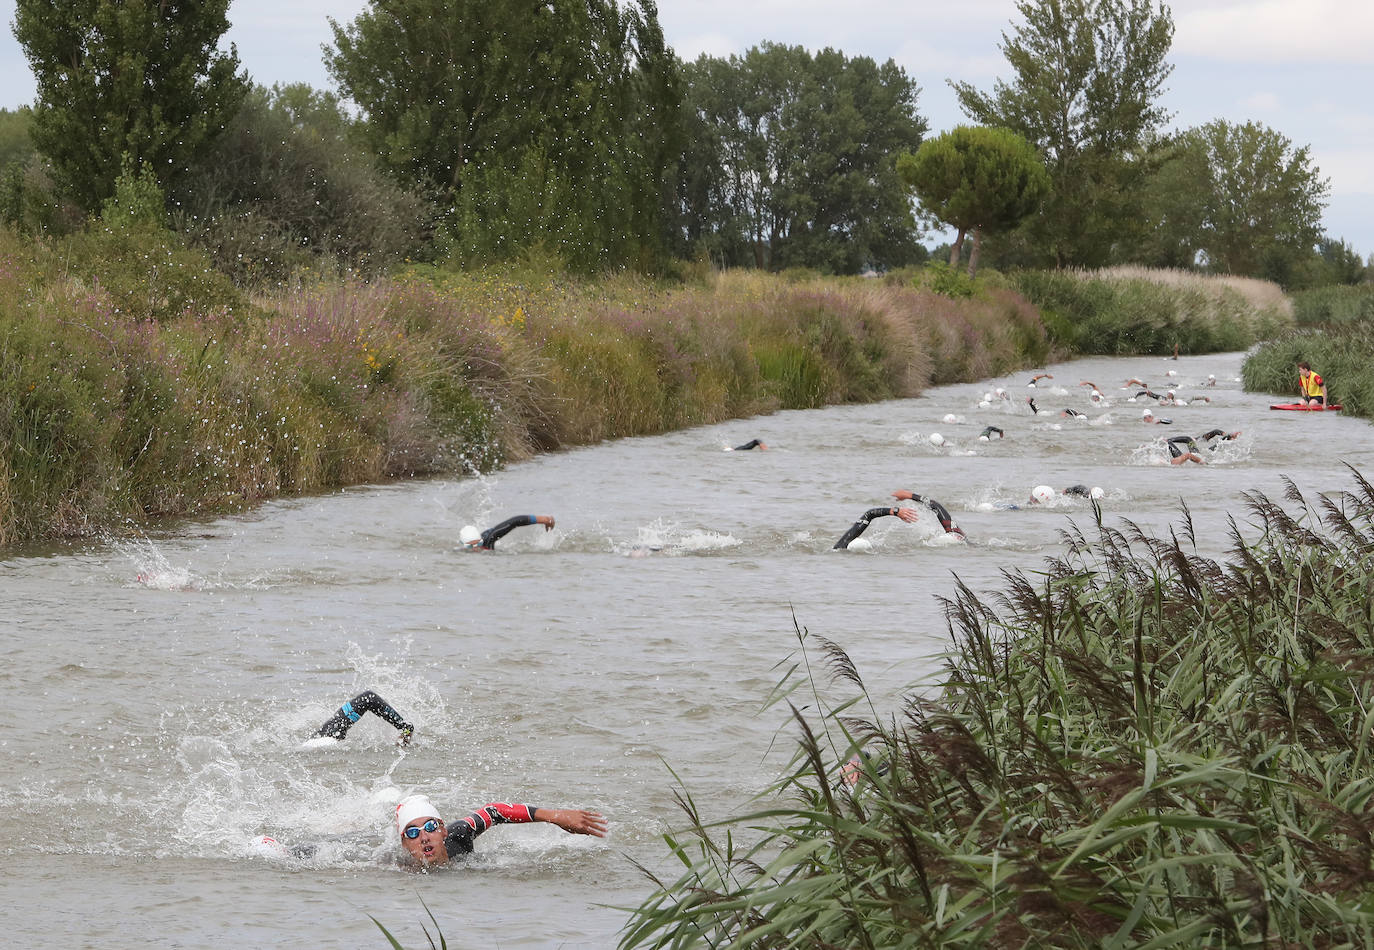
[(1089, 75), (792, 159), (144, 80), (976, 179), (535, 123)]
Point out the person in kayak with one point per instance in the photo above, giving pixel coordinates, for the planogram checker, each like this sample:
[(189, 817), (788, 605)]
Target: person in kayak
[(1311, 385)]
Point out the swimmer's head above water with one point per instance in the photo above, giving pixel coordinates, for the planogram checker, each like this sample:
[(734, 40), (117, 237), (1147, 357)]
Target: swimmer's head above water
[(470, 536), (1041, 495), (421, 829)]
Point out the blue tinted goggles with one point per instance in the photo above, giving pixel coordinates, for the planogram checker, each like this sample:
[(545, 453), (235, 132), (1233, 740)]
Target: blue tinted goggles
[(431, 826)]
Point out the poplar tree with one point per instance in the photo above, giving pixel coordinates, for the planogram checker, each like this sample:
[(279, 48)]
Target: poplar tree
[(793, 160), (537, 123), (116, 78), (1089, 75)]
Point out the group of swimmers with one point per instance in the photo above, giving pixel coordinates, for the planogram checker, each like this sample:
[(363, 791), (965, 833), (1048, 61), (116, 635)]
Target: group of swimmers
[(426, 837)]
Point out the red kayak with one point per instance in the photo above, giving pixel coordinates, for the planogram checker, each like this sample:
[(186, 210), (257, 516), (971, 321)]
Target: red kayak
[(1304, 407)]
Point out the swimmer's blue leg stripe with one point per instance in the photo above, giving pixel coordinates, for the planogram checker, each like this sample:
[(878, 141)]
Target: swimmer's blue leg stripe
[(347, 710)]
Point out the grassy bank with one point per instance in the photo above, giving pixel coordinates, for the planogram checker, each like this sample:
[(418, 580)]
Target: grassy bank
[(1124, 311), (137, 383), (1138, 747), (1343, 354)]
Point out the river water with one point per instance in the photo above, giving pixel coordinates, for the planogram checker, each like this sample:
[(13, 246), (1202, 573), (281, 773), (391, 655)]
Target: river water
[(157, 689)]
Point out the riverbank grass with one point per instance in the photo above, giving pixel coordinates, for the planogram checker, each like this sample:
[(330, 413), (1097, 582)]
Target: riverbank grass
[(1134, 310), (1138, 746)]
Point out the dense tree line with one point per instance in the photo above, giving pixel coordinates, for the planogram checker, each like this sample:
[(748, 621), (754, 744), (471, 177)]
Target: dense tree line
[(469, 131)]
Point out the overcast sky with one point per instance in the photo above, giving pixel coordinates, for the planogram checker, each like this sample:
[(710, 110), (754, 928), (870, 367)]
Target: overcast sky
[(1305, 68)]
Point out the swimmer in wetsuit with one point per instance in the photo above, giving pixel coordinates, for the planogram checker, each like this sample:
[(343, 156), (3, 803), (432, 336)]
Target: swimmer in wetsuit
[(1037, 377), (475, 540), (860, 526), (946, 521), (751, 444), (1180, 455), (430, 841), (337, 725), (1148, 416), (987, 433)]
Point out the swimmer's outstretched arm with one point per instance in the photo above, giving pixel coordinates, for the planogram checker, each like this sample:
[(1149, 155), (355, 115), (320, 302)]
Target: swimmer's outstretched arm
[(494, 534), (946, 521), (751, 444), (337, 725), (860, 526), (572, 820)]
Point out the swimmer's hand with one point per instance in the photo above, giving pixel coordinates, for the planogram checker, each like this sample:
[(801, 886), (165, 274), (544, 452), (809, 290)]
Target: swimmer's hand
[(406, 732), (909, 515), (574, 820), (903, 494), (546, 521)]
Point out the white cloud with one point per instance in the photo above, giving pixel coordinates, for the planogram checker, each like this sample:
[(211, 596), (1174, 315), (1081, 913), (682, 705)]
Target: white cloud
[(1277, 31)]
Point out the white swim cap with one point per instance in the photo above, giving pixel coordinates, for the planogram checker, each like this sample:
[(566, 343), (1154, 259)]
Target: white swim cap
[(860, 544), (1000, 391), (1211, 376), (1146, 414), (1096, 492), (951, 418), (1041, 494), (469, 534), (937, 439), (412, 807)]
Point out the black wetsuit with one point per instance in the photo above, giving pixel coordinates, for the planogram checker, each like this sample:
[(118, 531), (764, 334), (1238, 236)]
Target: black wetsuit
[(751, 444), (337, 725), (987, 433), (1075, 414), (1214, 433), (492, 535), (1178, 440), (946, 521), (1146, 392), (1034, 408), (461, 833), (860, 526), (1082, 491)]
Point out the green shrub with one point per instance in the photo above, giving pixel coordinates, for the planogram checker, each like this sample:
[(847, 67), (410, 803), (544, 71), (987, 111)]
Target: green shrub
[(1338, 303), (1133, 310)]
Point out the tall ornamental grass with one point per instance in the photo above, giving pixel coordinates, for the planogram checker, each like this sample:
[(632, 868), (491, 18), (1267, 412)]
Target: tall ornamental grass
[(1123, 311), (174, 393), (1137, 747), (1335, 303), (1343, 354)]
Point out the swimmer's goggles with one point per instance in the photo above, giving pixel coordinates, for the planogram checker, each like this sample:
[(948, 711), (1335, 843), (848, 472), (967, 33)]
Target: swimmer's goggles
[(431, 826)]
